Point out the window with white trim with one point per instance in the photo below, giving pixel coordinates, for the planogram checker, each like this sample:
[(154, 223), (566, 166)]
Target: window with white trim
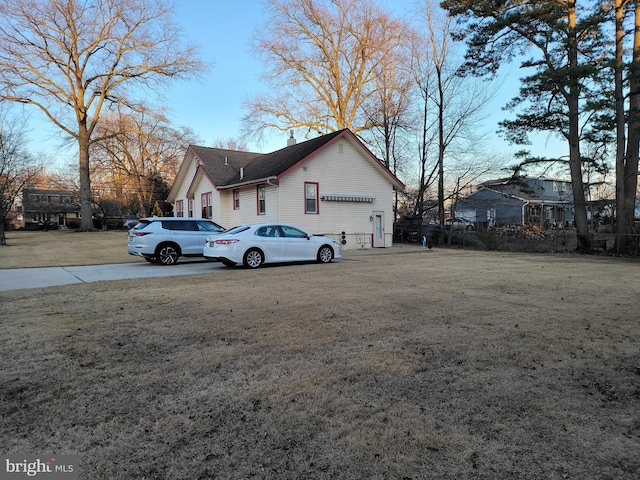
[(236, 198), (207, 207), (311, 197), (261, 202), (179, 208)]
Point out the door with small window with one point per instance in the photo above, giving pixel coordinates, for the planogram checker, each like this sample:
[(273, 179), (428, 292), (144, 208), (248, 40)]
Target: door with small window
[(378, 229)]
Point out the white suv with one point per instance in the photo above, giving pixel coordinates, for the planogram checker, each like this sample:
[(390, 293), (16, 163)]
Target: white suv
[(164, 239)]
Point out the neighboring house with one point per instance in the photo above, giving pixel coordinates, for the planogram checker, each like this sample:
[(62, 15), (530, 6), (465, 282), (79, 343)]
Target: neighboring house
[(523, 200), (331, 185), (50, 208)]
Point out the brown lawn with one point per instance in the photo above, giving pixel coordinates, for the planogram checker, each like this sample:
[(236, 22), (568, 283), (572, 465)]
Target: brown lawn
[(444, 364)]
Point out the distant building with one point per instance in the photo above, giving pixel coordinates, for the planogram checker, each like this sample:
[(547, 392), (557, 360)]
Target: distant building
[(50, 209), (516, 201)]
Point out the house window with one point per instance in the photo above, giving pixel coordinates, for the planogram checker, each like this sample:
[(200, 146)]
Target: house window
[(261, 200), (236, 198), (207, 207), (190, 207), (179, 208), (311, 197)]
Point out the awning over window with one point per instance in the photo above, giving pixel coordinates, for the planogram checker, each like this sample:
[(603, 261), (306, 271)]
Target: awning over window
[(348, 198)]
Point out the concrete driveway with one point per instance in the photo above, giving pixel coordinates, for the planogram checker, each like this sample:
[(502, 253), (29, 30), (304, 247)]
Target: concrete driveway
[(18, 278)]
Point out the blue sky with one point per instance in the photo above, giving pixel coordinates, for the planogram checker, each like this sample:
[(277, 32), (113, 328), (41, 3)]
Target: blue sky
[(213, 105), (223, 30)]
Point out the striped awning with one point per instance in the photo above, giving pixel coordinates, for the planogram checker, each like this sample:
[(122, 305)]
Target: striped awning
[(348, 198)]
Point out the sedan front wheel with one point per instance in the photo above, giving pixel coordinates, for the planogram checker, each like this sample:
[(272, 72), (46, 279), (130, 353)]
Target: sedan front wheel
[(325, 254)]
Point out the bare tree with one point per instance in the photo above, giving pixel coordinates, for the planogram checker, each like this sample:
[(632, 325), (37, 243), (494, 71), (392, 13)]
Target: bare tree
[(452, 105), (139, 154), (231, 144), (17, 168), (72, 58), (324, 61)]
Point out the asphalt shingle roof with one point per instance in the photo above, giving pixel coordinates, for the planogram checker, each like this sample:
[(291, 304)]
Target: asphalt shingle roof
[(223, 166)]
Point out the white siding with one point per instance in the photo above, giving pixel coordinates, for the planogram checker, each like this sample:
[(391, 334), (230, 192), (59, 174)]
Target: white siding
[(248, 211), (202, 186), (181, 194), (339, 169)]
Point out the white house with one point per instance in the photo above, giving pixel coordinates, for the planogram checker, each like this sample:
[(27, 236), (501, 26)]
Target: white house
[(330, 185)]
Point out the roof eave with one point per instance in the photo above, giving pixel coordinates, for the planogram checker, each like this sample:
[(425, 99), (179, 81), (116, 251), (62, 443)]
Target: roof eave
[(248, 183)]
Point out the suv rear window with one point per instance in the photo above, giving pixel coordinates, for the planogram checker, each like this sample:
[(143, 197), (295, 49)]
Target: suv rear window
[(142, 224)]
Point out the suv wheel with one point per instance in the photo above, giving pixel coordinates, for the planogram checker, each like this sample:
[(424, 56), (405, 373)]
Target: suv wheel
[(167, 254)]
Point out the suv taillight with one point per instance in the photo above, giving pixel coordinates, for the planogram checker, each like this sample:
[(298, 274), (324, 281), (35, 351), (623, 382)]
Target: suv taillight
[(141, 234)]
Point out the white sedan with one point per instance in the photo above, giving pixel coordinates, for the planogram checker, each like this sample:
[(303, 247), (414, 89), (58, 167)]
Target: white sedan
[(255, 245), (459, 224)]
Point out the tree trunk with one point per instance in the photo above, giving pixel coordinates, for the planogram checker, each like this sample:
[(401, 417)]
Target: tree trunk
[(575, 158), (621, 224), (633, 146), (86, 212)]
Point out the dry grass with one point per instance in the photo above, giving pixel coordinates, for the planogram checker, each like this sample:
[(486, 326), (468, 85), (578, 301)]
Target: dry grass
[(443, 364), (64, 247)]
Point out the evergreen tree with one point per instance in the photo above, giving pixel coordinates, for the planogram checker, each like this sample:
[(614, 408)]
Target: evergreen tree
[(564, 90)]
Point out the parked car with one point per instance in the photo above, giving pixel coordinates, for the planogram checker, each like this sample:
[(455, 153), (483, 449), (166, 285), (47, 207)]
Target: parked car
[(255, 245), (129, 222), (459, 224), (164, 239)]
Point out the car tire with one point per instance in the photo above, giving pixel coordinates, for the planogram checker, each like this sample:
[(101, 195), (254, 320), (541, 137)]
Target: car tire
[(470, 227), (253, 258), (325, 254), (167, 254)]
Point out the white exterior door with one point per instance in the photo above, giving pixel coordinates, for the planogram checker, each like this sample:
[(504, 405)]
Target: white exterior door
[(378, 229)]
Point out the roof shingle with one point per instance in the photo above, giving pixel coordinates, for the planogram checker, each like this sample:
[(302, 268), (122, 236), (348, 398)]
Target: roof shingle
[(223, 166)]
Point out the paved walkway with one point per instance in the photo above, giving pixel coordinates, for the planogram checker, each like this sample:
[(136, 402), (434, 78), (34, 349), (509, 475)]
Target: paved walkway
[(19, 278)]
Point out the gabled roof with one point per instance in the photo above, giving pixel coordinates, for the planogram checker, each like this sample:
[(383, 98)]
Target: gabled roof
[(231, 169), (222, 166), (277, 163), (526, 189)]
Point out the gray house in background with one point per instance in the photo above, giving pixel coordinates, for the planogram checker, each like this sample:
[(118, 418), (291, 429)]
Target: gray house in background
[(520, 200)]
